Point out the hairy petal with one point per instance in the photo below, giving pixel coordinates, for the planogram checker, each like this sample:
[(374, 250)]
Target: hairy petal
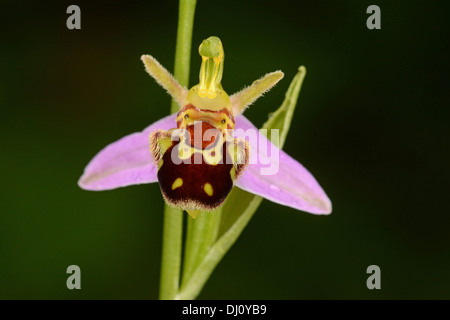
[(165, 79), (290, 184), (127, 161), (248, 95)]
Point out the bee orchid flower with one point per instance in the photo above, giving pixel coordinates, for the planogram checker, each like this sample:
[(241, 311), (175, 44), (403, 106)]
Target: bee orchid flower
[(198, 154)]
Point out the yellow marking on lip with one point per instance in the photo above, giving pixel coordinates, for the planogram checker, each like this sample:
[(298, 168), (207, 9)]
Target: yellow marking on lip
[(212, 157), (177, 183), (184, 151), (208, 189)]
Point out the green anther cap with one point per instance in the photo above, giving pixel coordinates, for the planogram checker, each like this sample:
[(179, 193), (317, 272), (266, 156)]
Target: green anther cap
[(211, 48), (211, 70)]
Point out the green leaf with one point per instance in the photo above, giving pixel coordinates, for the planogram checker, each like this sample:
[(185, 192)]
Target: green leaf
[(240, 205), (281, 119)]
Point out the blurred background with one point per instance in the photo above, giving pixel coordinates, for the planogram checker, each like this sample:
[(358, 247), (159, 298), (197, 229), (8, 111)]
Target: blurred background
[(371, 125)]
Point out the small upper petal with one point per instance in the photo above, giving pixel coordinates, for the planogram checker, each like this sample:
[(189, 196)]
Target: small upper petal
[(285, 181), (127, 161)]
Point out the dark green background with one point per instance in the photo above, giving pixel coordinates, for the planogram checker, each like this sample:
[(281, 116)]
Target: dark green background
[(371, 125)]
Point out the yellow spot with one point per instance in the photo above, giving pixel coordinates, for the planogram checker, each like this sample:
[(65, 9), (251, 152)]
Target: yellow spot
[(193, 213), (184, 152), (177, 183), (212, 157), (208, 189)]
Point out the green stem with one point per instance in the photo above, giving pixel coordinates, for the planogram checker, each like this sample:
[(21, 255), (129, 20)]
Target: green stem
[(201, 234), (184, 42), (173, 218), (171, 253)]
